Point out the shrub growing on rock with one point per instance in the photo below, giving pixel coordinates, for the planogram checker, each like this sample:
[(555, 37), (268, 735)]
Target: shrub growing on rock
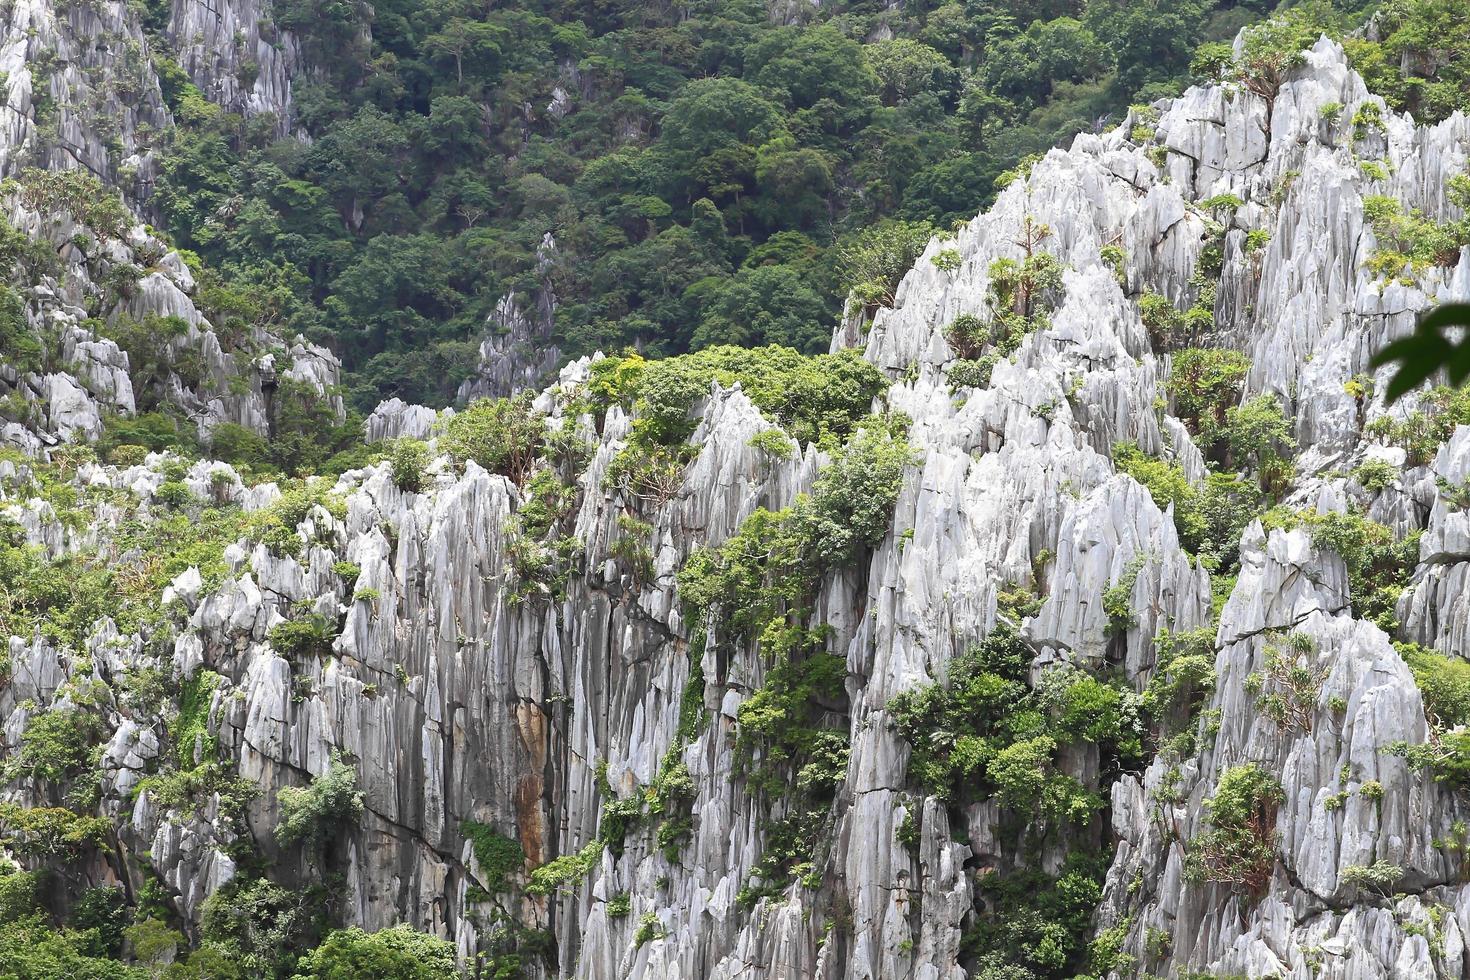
[(1205, 383), (309, 813), (407, 460), (298, 639), (1241, 849), (502, 435), (499, 857)]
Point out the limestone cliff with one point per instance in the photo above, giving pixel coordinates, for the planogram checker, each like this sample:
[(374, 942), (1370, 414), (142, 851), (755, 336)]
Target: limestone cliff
[(461, 696)]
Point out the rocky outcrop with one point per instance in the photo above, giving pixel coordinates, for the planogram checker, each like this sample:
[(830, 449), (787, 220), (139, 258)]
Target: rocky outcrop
[(84, 97), (80, 92), (517, 353), (460, 688), (237, 56)]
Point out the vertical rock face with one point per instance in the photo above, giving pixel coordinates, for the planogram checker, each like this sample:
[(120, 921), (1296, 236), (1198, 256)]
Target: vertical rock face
[(237, 56), (79, 92), (462, 694), (517, 353)]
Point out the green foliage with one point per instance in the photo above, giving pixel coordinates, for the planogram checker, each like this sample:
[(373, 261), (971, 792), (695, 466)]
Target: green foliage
[(1257, 433), (260, 928), (1162, 321), (1408, 243), (1223, 204), (1019, 298), (618, 818), (348, 571), (1444, 683), (767, 569), (56, 746), (1182, 680), (1272, 49), (1287, 686), (618, 906), (773, 443), (307, 437), (542, 551), (818, 398), (565, 872), (399, 953), (278, 527), (1417, 63), (771, 168), (761, 585), (299, 639), (872, 265), (196, 788), (971, 373), (190, 729), (23, 350), (77, 193), (310, 813), (20, 893), (1240, 850), (1031, 924), (1204, 384), (1106, 951), (946, 259), (149, 431), (118, 577), (1022, 294), (407, 461), (1376, 475), (1421, 431), (1117, 599), (153, 943), (852, 500), (50, 831), (500, 858), (1167, 484), (501, 435), (1380, 876), (1447, 756), (649, 929), (1116, 259), (31, 948), (986, 732), (103, 913)]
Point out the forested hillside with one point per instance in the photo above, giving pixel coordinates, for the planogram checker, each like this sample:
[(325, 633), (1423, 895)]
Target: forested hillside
[(936, 515), (710, 172)]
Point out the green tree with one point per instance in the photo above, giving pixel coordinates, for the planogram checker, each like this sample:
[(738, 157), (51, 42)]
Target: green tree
[(399, 953), (763, 305), (469, 42), (1259, 433), (713, 128), (906, 68), (873, 263), (308, 813)]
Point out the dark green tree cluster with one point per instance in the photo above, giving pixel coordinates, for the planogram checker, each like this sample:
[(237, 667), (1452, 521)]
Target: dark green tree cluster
[(708, 176)]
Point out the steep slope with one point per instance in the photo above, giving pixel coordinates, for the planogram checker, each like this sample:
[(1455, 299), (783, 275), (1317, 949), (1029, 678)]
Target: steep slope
[(86, 116), (586, 747)]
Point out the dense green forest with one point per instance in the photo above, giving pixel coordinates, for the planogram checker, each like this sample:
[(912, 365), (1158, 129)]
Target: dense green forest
[(713, 175)]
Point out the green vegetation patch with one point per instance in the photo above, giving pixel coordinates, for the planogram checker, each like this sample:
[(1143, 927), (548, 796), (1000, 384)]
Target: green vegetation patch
[(819, 398)]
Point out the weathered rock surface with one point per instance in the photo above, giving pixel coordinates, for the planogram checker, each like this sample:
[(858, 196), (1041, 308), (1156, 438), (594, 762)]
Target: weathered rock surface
[(82, 95), (457, 696), (237, 56), (517, 354)]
